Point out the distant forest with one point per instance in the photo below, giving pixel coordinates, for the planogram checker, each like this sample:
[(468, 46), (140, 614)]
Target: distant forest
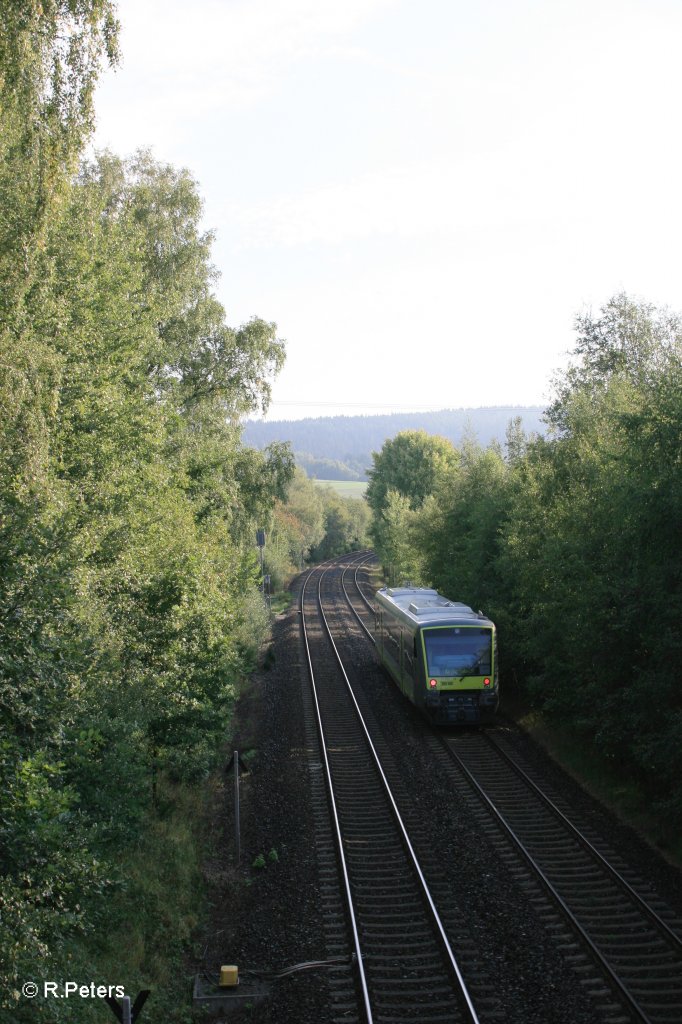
[(340, 447)]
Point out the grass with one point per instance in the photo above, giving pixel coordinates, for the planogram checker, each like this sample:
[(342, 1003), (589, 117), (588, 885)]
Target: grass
[(162, 904), (345, 488), (280, 601)]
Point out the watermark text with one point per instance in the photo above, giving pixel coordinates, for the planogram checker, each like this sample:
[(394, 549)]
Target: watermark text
[(72, 989)]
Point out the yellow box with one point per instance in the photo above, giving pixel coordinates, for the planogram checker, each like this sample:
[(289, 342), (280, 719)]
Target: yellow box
[(229, 976)]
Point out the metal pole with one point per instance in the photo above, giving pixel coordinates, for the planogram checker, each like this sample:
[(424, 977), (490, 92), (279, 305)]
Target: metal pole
[(237, 834), (126, 1016)]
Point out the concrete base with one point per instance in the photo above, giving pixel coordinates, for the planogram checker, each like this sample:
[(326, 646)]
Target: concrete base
[(209, 995)]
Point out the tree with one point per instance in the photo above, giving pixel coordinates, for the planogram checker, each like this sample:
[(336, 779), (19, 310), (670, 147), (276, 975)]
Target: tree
[(410, 463), (345, 525), (50, 57), (458, 529), (409, 466), (591, 548), (630, 341), (400, 553), (127, 511), (297, 526), (573, 546)]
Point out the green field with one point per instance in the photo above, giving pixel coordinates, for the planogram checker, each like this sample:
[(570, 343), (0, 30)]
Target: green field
[(346, 488)]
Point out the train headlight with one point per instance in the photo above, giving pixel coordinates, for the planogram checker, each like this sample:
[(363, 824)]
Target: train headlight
[(432, 683), (486, 681)]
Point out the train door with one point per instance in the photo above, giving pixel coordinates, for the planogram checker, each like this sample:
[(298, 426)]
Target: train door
[(399, 655), (419, 679), (390, 650), (407, 665)]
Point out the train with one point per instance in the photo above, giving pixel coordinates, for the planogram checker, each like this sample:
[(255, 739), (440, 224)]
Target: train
[(441, 654)]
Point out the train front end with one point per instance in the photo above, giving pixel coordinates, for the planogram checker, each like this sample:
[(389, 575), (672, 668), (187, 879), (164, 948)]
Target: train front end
[(460, 671)]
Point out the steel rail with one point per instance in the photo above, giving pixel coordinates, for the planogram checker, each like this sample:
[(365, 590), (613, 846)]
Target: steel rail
[(463, 991), (337, 827), (604, 965), (357, 586), (668, 932)]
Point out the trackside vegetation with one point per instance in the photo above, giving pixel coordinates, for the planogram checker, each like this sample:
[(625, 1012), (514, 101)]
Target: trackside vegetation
[(129, 607), (572, 544), (312, 524)]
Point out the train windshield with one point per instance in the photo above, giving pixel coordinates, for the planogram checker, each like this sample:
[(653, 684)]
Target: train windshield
[(458, 651)]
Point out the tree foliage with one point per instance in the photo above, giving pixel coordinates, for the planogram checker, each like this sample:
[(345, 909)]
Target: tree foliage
[(127, 511), (346, 521), (297, 524), (312, 523), (410, 463), (572, 544), (50, 57), (409, 468)]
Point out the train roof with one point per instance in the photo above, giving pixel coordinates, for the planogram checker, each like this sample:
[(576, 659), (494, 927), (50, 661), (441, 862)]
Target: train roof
[(420, 606)]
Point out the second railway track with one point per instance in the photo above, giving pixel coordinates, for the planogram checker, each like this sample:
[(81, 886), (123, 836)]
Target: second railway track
[(638, 951)]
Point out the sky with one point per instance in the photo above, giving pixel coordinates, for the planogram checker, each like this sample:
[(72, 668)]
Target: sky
[(422, 196)]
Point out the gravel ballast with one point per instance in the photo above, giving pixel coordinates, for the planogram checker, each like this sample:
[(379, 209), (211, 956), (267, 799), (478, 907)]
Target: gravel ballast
[(266, 912)]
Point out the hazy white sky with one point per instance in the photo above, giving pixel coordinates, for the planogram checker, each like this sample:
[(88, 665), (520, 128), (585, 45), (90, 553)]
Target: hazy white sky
[(421, 195)]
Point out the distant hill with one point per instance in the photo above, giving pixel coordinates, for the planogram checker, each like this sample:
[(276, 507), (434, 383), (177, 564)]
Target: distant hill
[(340, 447)]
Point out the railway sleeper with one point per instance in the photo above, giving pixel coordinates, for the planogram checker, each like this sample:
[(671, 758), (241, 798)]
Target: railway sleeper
[(630, 944), (427, 1010), (383, 916), (397, 943), (651, 961), (664, 1014), (381, 1018), (667, 998), (416, 986), (391, 958)]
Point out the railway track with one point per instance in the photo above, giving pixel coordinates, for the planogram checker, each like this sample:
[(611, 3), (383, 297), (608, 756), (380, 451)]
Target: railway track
[(406, 969), (623, 942), (637, 950)]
